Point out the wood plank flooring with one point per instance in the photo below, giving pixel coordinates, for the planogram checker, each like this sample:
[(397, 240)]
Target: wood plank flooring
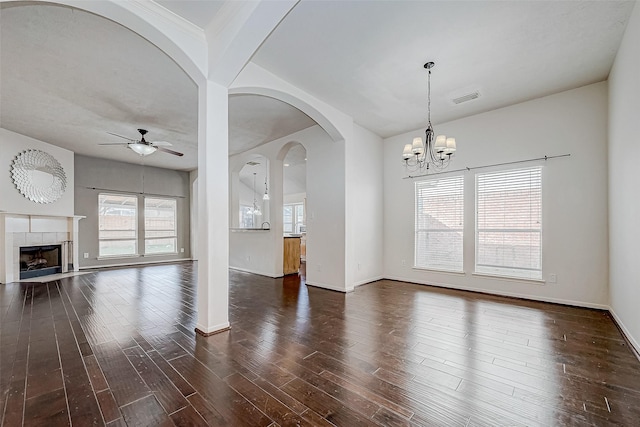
[(117, 347)]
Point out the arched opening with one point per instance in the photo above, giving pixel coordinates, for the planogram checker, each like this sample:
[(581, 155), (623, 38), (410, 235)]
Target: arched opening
[(294, 198), (253, 195)]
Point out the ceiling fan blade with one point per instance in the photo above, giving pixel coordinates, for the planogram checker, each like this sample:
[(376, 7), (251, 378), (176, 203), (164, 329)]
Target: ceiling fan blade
[(161, 143), (123, 137), (115, 143), (166, 150)]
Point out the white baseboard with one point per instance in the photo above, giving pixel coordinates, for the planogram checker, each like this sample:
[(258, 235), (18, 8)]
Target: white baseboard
[(626, 332), (260, 273), (364, 282), (504, 294), (330, 287), (138, 263), (215, 328)]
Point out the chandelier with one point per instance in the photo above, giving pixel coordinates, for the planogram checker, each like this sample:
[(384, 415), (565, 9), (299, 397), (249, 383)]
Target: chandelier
[(255, 210), (434, 153), (266, 188)]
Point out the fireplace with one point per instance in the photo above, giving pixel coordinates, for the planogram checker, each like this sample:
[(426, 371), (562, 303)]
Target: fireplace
[(41, 260)]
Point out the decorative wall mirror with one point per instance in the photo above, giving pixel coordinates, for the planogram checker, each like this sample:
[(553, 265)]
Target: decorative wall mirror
[(38, 176)]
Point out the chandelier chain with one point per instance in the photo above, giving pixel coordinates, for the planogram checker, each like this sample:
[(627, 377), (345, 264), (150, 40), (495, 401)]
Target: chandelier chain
[(429, 97)]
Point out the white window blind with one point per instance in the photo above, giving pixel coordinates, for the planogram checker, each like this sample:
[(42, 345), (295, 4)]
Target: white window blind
[(117, 225), (439, 223), (509, 223), (160, 226)]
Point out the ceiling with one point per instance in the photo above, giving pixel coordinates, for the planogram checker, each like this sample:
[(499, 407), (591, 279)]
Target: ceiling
[(294, 177), (66, 78), (366, 57)]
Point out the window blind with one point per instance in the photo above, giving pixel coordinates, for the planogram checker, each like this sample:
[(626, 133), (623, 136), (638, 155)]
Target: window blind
[(117, 225), (509, 223), (439, 223), (160, 226)]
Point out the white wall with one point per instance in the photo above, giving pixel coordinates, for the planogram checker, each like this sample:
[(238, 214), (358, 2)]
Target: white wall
[(624, 179), (364, 204), (12, 144), (575, 237), (252, 251)]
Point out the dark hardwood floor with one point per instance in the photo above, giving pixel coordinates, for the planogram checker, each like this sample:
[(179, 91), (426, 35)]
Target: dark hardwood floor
[(118, 347)]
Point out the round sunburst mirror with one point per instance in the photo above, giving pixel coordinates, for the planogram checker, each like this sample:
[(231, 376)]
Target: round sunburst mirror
[(38, 176)]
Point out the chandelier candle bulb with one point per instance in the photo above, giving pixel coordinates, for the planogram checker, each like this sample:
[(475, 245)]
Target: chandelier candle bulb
[(417, 146), (407, 153), (441, 143), (451, 145)]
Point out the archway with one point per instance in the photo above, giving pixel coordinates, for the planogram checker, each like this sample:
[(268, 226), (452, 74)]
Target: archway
[(294, 197)]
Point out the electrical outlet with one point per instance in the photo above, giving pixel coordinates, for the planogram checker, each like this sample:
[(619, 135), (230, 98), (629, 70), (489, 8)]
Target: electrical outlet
[(359, 266), (404, 262), (553, 278), (318, 268), (181, 250), (86, 255)]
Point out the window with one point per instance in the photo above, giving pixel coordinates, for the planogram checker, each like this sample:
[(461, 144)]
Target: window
[(439, 223), (509, 223), (117, 225), (160, 226), (293, 217), (246, 216)]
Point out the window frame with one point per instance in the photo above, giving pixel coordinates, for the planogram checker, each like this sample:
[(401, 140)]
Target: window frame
[(507, 272), (135, 230), (457, 211), (295, 224), (173, 236)]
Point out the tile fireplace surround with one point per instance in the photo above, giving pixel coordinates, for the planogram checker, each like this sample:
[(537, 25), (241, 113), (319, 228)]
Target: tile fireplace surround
[(19, 230)]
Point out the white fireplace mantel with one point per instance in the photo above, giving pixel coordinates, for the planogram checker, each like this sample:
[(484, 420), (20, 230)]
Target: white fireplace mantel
[(18, 230)]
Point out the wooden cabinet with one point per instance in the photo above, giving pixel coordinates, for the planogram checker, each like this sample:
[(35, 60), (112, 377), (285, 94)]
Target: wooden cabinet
[(291, 255)]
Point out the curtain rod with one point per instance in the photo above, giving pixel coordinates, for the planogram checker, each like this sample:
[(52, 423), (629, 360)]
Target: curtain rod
[(466, 169), (134, 192)]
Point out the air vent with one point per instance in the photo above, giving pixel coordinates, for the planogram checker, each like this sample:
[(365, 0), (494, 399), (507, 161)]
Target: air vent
[(253, 163), (468, 97)]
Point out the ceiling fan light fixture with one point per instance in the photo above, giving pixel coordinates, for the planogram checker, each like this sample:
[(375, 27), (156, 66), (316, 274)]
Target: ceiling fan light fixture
[(142, 149)]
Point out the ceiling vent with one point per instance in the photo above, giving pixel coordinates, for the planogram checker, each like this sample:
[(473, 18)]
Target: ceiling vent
[(465, 98), (253, 163)]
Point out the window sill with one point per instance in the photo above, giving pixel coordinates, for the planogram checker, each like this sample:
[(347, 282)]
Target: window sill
[(159, 254), (434, 270), (510, 278), (118, 256)]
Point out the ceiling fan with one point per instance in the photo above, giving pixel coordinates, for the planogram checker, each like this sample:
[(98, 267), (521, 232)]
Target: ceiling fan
[(142, 146)]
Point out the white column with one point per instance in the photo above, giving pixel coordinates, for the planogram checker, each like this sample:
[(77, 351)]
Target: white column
[(213, 209)]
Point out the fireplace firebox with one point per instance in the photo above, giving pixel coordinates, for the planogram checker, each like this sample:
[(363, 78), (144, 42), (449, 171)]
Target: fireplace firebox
[(36, 261)]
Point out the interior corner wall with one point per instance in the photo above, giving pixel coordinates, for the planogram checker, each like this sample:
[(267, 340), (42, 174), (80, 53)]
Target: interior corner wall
[(11, 200), (624, 177), (95, 176), (364, 207), (575, 217)]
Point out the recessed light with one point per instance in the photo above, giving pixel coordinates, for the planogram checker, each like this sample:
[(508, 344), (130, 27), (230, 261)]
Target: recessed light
[(286, 164), (305, 159)]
